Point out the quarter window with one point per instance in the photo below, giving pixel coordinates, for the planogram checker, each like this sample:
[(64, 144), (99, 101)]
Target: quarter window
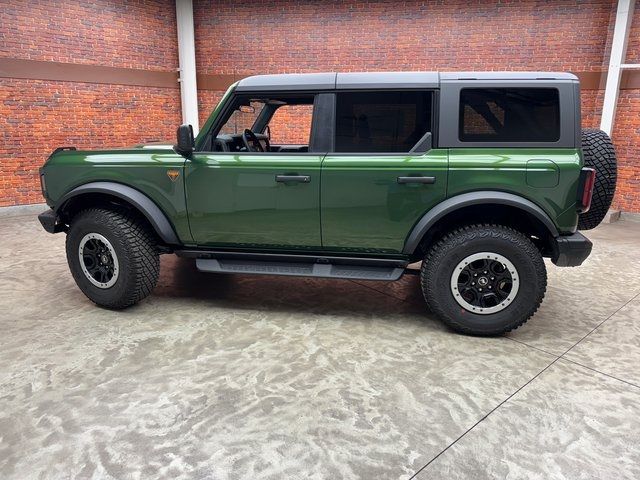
[(509, 115), (385, 122)]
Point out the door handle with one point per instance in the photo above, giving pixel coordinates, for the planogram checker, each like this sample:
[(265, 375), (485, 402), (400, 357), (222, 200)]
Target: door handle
[(423, 180), (293, 178)]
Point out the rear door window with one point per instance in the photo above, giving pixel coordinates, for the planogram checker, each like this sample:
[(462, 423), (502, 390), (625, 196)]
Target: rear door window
[(509, 115), (385, 122)]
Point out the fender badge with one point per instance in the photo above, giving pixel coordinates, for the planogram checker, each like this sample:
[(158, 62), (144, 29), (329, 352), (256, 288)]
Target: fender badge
[(173, 174)]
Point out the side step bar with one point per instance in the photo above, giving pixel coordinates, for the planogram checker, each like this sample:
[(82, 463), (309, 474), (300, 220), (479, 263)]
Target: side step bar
[(298, 265)]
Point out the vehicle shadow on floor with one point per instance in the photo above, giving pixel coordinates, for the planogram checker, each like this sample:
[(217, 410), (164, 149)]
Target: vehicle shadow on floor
[(180, 279)]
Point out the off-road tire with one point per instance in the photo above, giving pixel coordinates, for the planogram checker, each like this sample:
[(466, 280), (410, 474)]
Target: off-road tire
[(599, 154), (136, 251), (443, 257)]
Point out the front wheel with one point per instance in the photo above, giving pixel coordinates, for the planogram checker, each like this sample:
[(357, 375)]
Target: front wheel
[(484, 279), (112, 257)]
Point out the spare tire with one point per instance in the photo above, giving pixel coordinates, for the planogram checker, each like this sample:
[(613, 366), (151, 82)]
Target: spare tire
[(599, 154)]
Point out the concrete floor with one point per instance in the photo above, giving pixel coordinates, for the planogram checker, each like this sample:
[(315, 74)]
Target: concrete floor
[(269, 377)]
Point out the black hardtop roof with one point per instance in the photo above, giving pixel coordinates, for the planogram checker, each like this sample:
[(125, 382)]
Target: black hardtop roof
[(370, 80)]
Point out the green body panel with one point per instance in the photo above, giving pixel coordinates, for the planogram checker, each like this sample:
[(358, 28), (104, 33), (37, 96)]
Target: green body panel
[(143, 169), (547, 177), (364, 208), (234, 200), (352, 203)]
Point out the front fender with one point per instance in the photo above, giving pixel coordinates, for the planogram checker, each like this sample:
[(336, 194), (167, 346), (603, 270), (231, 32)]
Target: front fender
[(137, 199)]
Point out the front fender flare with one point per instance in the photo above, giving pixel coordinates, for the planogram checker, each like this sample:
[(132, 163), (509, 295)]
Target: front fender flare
[(474, 198), (137, 199)]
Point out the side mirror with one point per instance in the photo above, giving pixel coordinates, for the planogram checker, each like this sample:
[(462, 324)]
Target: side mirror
[(185, 140)]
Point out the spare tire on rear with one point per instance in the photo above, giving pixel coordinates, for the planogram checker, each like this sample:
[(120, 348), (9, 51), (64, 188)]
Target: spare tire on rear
[(599, 154)]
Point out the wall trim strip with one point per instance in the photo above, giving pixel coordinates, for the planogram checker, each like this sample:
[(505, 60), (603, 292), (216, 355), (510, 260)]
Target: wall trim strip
[(75, 72)]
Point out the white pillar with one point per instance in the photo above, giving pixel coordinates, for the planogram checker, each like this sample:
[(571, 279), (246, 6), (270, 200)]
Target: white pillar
[(624, 15), (187, 57)]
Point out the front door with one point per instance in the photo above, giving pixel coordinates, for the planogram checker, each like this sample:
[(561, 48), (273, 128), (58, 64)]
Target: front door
[(262, 200), (249, 191)]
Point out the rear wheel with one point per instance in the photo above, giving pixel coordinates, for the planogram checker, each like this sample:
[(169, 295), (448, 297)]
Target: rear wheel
[(484, 279), (112, 257), (599, 154)]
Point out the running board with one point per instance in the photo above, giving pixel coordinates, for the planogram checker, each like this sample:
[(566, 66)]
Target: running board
[(300, 269)]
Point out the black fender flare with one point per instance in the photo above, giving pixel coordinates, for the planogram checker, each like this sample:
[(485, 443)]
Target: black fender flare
[(474, 198), (137, 199)]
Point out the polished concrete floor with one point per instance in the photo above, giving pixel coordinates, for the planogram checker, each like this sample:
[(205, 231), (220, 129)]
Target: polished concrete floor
[(227, 377)]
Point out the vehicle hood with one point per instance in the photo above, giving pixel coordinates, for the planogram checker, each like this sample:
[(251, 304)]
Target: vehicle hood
[(155, 145)]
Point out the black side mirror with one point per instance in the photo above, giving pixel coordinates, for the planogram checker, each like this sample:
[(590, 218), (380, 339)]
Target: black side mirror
[(185, 140)]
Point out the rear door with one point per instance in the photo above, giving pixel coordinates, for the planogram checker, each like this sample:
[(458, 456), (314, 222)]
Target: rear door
[(382, 174)]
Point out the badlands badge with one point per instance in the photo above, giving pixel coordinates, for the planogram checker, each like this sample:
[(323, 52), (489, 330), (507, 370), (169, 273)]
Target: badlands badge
[(173, 174)]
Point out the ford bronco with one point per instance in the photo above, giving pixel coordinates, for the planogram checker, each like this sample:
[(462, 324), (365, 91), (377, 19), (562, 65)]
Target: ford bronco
[(354, 176)]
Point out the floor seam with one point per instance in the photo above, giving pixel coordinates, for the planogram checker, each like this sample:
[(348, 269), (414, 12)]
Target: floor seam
[(378, 291), (484, 417), (601, 373), (600, 324), (556, 359), (535, 348)]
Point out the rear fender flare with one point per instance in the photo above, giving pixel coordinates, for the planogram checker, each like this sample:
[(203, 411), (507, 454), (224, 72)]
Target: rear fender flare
[(137, 199), (452, 204)]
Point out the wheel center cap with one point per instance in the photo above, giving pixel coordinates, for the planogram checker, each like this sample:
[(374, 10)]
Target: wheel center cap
[(104, 259), (482, 281)]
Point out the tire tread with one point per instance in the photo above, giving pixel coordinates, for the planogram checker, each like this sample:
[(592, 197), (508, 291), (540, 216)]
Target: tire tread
[(141, 257), (459, 237), (599, 154)]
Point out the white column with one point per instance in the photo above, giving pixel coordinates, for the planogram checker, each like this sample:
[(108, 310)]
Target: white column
[(624, 15), (187, 57)]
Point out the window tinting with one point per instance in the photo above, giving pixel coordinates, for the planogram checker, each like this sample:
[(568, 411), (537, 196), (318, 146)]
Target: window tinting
[(509, 115), (381, 121)]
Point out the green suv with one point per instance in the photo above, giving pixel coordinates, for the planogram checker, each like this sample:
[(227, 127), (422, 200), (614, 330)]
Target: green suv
[(356, 176)]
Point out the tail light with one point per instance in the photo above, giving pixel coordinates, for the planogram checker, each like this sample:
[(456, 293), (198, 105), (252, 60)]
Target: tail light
[(585, 189), (43, 184)]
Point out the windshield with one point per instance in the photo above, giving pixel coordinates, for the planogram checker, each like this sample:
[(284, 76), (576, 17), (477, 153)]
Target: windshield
[(242, 118)]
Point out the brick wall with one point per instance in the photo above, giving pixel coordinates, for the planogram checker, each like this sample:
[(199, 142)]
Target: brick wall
[(37, 116), (292, 36), (280, 36), (134, 34)]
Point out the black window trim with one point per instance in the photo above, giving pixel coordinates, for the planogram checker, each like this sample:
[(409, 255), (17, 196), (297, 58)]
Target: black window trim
[(217, 124), (324, 114), (450, 108)]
